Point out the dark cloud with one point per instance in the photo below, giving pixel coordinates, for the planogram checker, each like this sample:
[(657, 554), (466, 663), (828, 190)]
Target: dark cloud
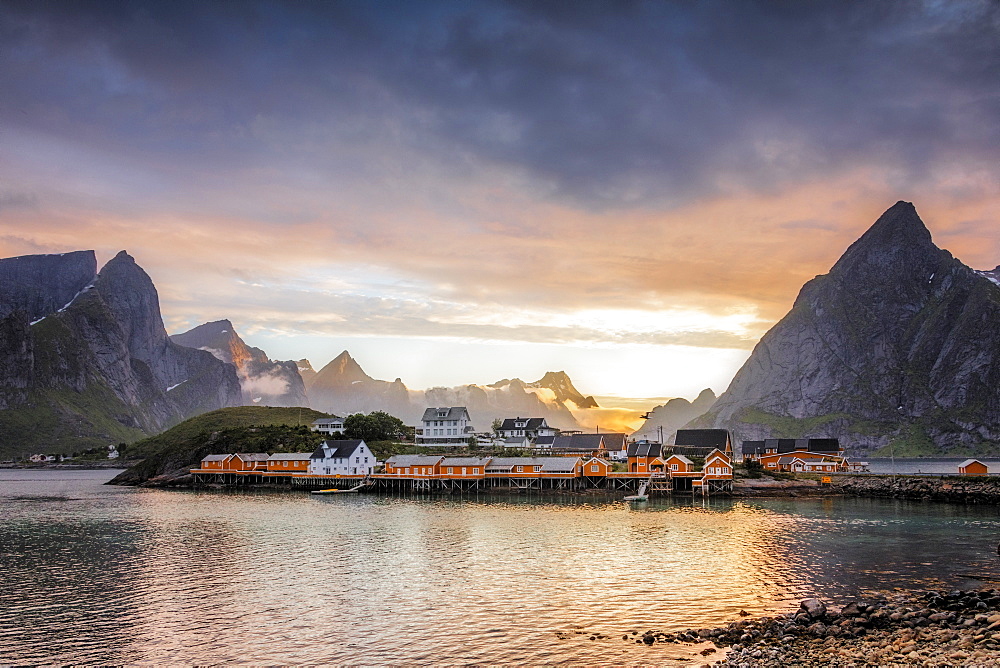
[(597, 104)]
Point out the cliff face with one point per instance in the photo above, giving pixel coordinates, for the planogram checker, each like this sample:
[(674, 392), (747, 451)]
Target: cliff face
[(899, 344), (265, 382), (39, 285), (99, 369)]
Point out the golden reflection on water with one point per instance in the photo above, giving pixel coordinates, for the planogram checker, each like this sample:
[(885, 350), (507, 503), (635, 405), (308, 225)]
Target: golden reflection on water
[(195, 577)]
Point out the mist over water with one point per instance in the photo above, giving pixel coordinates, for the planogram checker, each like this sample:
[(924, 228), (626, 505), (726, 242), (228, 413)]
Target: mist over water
[(98, 574)]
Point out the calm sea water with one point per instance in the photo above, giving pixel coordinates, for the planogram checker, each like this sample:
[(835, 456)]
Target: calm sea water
[(97, 574)]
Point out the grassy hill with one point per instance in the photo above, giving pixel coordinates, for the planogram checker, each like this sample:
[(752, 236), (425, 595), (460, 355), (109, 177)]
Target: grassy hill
[(241, 429)]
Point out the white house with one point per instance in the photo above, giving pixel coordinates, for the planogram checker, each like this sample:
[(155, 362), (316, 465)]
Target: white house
[(444, 426), (330, 426), (350, 457), (530, 428)]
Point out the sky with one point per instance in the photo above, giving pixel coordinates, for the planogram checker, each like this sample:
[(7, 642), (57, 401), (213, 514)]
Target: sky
[(459, 192)]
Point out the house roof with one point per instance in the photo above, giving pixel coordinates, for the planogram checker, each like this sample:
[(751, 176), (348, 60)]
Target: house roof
[(516, 439), (252, 456), (680, 457), (215, 458), (509, 424), (560, 464), (508, 463), (414, 460), (644, 449), (702, 438), (445, 413), (465, 461), (785, 445), (338, 449), (288, 456), (578, 442), (614, 440), (329, 420), (970, 461), (544, 440)]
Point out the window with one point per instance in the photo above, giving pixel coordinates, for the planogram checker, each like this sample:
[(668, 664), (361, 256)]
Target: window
[(475, 471), (538, 468), (673, 467), (594, 468), (519, 469), (451, 469), (286, 464)]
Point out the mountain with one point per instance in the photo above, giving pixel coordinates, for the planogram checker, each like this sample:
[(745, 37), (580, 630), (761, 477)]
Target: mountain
[(504, 399), (85, 359), (264, 381), (342, 387), (306, 371), (664, 420), (896, 349), (562, 389)]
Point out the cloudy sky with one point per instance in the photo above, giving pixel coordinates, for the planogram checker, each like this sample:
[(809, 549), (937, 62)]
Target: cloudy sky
[(459, 192)]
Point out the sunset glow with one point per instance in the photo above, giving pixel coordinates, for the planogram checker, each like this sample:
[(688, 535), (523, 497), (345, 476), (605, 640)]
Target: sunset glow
[(632, 193)]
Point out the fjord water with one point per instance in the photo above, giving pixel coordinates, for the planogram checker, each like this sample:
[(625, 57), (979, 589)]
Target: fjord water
[(98, 574)]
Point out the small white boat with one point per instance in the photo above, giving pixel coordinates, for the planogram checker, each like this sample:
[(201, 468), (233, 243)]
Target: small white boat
[(637, 497)]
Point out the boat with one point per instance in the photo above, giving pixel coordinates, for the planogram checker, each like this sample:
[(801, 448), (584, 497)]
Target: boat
[(334, 491), (637, 497)]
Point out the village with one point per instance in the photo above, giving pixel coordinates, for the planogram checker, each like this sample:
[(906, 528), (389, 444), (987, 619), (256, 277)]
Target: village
[(700, 461)]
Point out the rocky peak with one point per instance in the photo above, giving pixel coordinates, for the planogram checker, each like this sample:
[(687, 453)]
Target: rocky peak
[(561, 385), (897, 344), (220, 339), (131, 296), (341, 370), (898, 244)]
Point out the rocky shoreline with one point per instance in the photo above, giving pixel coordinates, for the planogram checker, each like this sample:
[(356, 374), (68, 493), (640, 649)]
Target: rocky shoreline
[(953, 489), (929, 628)]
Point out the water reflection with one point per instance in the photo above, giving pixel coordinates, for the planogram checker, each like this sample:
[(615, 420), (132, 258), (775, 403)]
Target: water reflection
[(104, 575)]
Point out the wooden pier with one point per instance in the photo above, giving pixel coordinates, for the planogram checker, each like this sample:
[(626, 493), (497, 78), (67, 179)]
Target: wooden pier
[(660, 484)]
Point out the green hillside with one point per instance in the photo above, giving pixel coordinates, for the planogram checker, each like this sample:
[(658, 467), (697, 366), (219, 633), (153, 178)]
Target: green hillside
[(228, 430)]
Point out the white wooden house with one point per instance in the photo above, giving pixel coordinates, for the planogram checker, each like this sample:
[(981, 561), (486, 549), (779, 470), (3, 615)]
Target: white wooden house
[(349, 457)]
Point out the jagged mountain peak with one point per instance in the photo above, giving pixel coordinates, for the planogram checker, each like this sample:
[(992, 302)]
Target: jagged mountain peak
[(341, 370), (561, 385), (896, 243), (896, 345), (264, 382)]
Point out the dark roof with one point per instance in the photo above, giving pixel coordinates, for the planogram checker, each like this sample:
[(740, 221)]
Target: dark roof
[(544, 440), (452, 413), (614, 440), (644, 449), (530, 423), (702, 438), (786, 445), (752, 447), (578, 442), (824, 445), (340, 449)]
